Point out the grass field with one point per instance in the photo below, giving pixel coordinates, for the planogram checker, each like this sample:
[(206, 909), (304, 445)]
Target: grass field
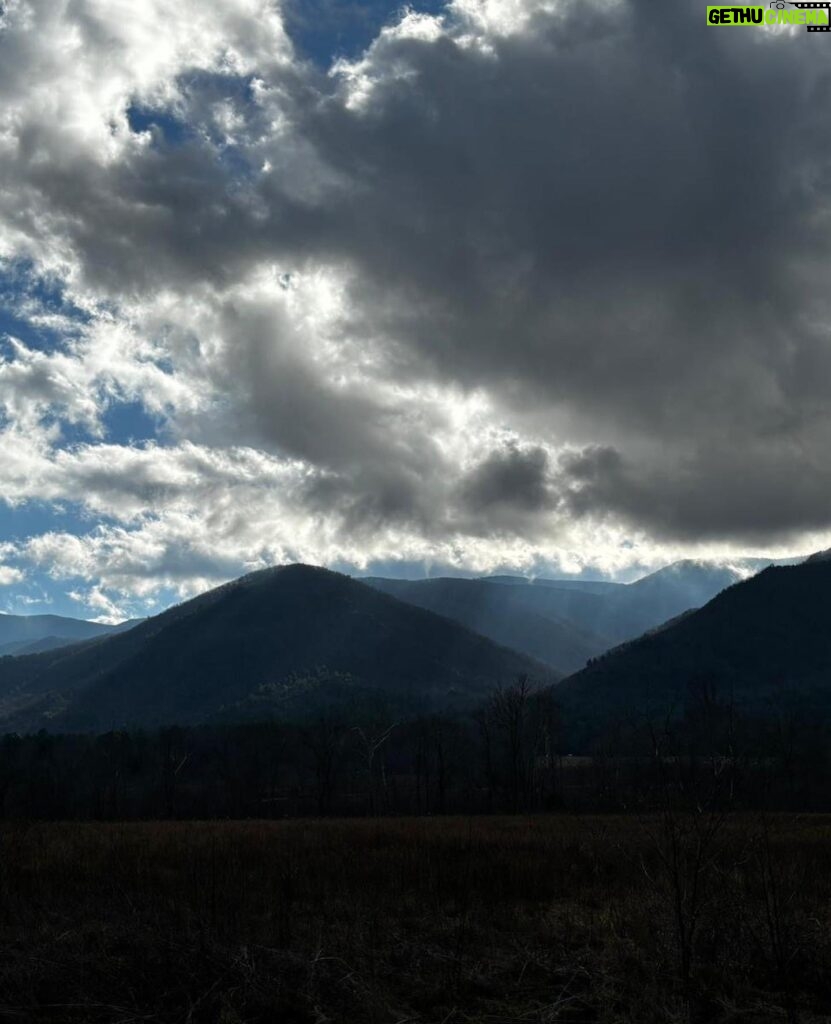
[(434, 920)]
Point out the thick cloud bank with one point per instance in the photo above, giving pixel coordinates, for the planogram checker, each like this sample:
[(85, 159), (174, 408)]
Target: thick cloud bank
[(529, 284)]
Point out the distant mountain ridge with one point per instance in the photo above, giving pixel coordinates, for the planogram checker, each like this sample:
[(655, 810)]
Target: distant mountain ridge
[(26, 634), (589, 586), (290, 640), (567, 622), (505, 613), (47, 643)]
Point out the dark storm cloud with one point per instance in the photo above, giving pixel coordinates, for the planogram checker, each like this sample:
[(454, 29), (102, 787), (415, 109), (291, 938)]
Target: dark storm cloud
[(622, 220), (776, 495), (613, 220), (513, 478)]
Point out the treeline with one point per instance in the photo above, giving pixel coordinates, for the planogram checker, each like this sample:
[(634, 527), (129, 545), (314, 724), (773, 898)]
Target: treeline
[(511, 755), (358, 761)]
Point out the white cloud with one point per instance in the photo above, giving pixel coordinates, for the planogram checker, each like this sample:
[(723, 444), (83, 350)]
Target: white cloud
[(98, 606), (9, 574)]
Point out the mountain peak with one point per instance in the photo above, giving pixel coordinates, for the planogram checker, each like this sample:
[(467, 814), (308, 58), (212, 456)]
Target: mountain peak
[(293, 639)]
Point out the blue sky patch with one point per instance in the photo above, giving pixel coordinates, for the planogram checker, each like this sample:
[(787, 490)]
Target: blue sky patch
[(25, 296), (129, 423), (143, 119), (324, 30)]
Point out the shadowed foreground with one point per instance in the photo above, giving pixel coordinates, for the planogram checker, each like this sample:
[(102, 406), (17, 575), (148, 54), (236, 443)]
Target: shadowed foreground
[(434, 920)]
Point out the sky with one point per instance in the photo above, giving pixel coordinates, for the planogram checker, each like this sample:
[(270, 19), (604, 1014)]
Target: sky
[(533, 286)]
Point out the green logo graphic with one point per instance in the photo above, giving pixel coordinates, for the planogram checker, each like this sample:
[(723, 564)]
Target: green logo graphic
[(815, 16)]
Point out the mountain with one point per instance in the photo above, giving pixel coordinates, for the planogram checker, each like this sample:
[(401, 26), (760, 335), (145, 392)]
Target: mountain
[(19, 632), (46, 643), (504, 612), (588, 586), (566, 622), (291, 641), (678, 587), (758, 641)]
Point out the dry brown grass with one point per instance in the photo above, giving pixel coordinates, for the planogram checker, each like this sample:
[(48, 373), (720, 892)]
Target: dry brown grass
[(440, 920)]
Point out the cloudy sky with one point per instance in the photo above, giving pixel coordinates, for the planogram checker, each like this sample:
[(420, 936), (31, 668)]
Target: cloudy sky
[(535, 285)]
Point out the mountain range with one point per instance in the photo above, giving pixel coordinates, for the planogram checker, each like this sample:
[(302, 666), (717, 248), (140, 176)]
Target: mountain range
[(288, 641), (299, 641), (29, 634), (564, 623)]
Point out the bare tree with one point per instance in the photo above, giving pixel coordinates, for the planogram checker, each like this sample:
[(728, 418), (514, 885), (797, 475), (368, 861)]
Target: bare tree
[(693, 795), (174, 758), (371, 743), (509, 713), (325, 738)]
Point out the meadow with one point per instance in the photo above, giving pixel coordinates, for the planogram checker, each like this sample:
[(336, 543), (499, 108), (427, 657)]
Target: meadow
[(440, 920)]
